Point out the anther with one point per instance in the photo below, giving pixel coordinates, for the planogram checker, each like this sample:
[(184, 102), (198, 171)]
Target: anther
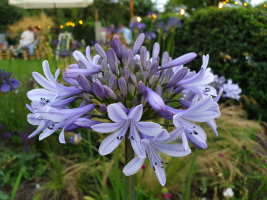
[(156, 163), (154, 168), (132, 137), (121, 137), (118, 138), (196, 133)]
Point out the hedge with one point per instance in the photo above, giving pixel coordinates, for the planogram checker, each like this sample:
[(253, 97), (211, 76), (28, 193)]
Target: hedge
[(236, 40)]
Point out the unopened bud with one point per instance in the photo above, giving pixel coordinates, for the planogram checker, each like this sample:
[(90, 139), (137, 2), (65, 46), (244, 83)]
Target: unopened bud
[(133, 79), (135, 101), (159, 90), (113, 82), (103, 108), (122, 86)]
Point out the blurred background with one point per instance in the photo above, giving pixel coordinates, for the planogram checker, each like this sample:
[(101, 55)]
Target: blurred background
[(233, 33)]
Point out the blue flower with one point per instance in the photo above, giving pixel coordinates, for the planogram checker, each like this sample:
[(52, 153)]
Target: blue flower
[(5, 87)]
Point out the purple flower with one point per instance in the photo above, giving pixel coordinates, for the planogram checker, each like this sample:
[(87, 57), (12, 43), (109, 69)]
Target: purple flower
[(150, 145), (14, 83), (232, 90), (174, 23), (138, 25), (53, 90), (76, 139), (5, 87), (150, 35), (120, 126), (155, 100)]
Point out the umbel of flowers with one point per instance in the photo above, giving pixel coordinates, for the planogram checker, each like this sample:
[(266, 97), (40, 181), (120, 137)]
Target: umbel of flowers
[(6, 82), (130, 88)]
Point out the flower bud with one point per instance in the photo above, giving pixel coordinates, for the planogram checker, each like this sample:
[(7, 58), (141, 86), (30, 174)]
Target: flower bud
[(86, 98), (120, 97), (104, 66), (113, 82), (109, 92), (132, 65), (152, 80), (127, 57), (159, 90), (180, 60), (123, 49), (111, 57), (106, 77), (155, 53), (103, 108), (138, 43), (123, 107), (126, 73), (83, 82), (100, 51), (148, 65), (168, 76), (143, 56), (177, 77), (165, 58), (141, 88), (117, 46), (144, 99), (122, 86), (169, 92), (131, 89), (178, 90), (155, 100), (135, 101), (133, 79), (98, 89), (145, 74), (153, 69)]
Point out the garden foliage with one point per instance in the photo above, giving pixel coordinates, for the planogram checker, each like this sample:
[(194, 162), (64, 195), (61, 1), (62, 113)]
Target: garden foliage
[(236, 41)]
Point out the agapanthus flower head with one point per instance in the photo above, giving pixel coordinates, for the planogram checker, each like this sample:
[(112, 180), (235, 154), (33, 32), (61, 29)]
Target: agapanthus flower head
[(160, 27), (150, 35), (130, 88), (138, 25), (232, 90), (7, 83), (174, 23)]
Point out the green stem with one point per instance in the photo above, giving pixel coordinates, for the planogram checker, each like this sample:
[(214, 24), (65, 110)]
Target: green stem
[(129, 180), (191, 171)]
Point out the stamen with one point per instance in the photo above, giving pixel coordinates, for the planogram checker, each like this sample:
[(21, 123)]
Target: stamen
[(132, 137), (207, 89), (196, 133), (121, 137), (118, 138)]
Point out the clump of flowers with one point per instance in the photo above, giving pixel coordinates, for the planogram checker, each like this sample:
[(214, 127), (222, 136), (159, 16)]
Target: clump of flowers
[(6, 82), (137, 25), (173, 23), (130, 88)]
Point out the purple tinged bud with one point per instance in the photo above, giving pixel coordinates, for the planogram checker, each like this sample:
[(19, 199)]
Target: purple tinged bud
[(148, 65), (120, 97), (127, 57), (113, 82), (141, 88), (109, 92), (126, 73), (86, 98), (123, 49), (169, 92), (145, 74), (155, 53), (135, 101), (144, 99), (155, 100), (83, 82), (159, 90), (104, 66), (165, 58), (131, 89), (180, 60), (129, 104), (178, 90), (81, 65), (103, 108), (117, 46), (166, 114), (139, 77), (123, 107), (138, 43), (122, 86), (100, 51), (106, 77), (112, 60), (168, 76), (143, 57), (133, 79), (153, 69), (152, 80), (177, 77), (98, 89)]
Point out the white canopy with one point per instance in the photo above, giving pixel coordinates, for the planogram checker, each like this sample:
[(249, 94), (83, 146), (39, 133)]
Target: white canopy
[(38, 4)]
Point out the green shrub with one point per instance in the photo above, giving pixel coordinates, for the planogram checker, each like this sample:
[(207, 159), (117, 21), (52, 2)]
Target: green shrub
[(236, 40)]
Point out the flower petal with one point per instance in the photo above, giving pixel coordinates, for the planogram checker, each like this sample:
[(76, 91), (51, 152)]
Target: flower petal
[(161, 136), (116, 113), (175, 134), (113, 140), (61, 137), (148, 128), (136, 113), (108, 127), (176, 150), (136, 142), (161, 175), (133, 166)]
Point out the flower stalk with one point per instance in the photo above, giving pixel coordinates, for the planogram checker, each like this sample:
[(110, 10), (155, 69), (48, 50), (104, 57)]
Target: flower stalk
[(129, 180)]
